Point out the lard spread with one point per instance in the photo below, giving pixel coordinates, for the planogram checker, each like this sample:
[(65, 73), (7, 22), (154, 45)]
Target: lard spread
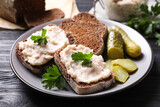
[(40, 54), (84, 74)]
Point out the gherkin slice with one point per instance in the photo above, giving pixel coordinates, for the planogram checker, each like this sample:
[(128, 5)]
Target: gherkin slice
[(127, 64), (121, 74)]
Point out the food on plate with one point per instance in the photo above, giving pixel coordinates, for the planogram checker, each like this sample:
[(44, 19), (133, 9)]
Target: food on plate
[(87, 30), (120, 9), (127, 64), (37, 51), (74, 46), (41, 40), (120, 73), (85, 58), (132, 49), (52, 78), (83, 79), (121, 68), (114, 45), (109, 64)]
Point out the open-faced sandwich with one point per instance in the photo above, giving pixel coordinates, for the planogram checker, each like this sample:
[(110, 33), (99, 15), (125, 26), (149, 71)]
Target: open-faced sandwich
[(37, 51), (84, 71)]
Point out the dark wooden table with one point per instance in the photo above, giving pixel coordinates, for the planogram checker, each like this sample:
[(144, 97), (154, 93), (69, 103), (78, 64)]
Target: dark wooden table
[(13, 93)]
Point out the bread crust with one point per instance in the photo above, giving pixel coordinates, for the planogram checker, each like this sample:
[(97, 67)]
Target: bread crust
[(87, 30), (42, 17), (82, 88)]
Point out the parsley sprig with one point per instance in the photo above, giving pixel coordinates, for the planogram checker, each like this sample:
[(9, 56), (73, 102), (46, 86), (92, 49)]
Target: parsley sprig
[(147, 24), (52, 78), (40, 39), (85, 58)]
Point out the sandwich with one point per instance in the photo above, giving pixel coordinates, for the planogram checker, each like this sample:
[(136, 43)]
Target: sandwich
[(36, 53), (83, 79)]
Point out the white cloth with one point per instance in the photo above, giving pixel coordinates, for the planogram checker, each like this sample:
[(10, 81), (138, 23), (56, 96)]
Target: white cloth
[(69, 7)]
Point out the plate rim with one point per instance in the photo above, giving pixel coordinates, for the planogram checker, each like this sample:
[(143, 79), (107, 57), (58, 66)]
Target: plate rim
[(78, 96)]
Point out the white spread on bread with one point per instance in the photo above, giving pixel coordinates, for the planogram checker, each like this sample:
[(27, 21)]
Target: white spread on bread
[(88, 74), (40, 54)]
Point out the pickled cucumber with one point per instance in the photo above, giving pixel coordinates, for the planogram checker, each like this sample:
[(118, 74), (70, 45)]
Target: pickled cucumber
[(121, 74), (115, 45), (131, 48), (127, 64), (109, 64)]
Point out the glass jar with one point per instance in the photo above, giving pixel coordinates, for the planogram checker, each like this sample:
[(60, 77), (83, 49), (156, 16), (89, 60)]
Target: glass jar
[(119, 10)]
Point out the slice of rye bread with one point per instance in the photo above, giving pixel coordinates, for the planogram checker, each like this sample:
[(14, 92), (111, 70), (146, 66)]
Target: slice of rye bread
[(87, 30), (82, 88), (39, 69), (42, 17)]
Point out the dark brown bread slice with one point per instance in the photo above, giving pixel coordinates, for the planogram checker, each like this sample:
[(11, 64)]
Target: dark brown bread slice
[(42, 17), (86, 17), (87, 30), (13, 10), (82, 88), (39, 69)]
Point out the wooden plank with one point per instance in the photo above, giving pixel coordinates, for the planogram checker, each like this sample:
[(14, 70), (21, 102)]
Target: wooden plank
[(3, 52), (13, 91), (4, 65), (6, 42), (4, 58), (10, 34)]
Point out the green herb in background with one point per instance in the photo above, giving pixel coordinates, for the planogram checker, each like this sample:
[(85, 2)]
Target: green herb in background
[(147, 24), (85, 58), (53, 78), (40, 39)]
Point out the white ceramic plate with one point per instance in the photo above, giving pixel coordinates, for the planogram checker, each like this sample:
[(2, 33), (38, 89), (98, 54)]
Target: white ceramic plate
[(144, 64)]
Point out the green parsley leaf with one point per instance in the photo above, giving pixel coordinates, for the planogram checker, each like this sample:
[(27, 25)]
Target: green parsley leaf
[(147, 24), (43, 32), (40, 39), (149, 29), (86, 62), (85, 58), (53, 78), (155, 9), (60, 83), (146, 12)]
